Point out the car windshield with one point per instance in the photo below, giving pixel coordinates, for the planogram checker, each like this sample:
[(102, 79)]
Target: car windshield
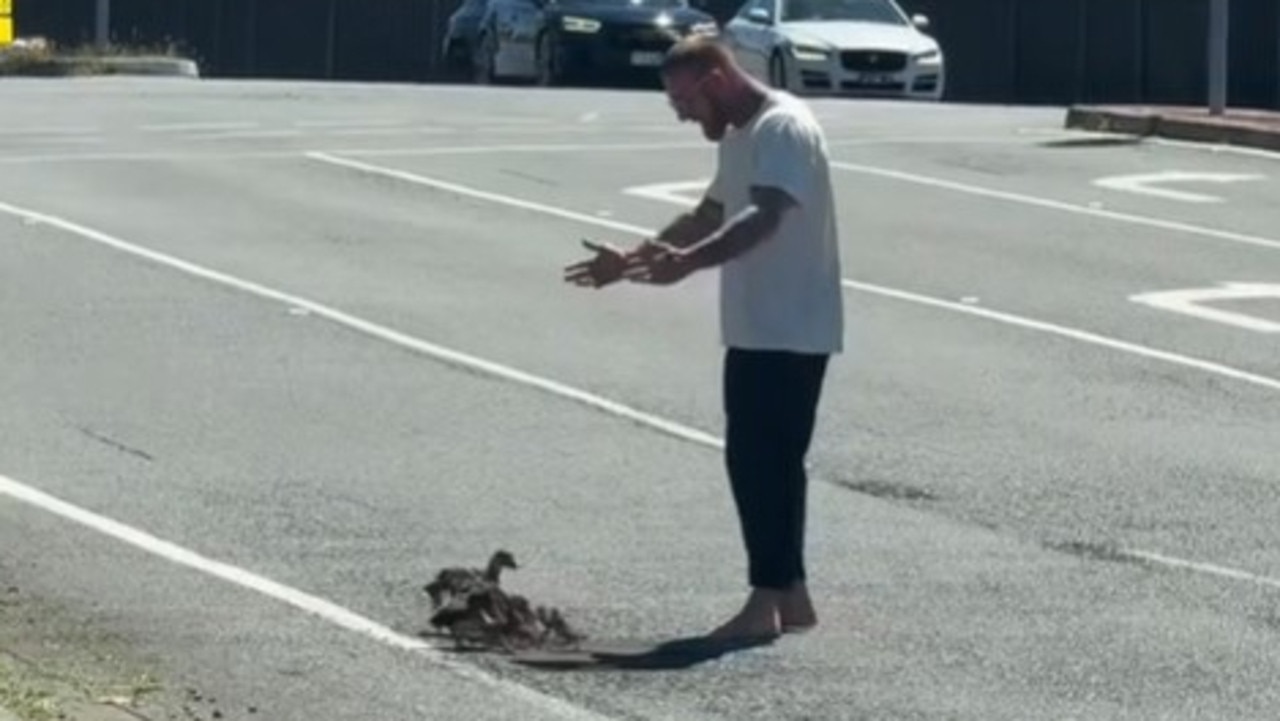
[(872, 11), (629, 3)]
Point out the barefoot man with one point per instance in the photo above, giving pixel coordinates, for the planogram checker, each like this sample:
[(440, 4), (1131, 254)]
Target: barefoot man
[(768, 223)]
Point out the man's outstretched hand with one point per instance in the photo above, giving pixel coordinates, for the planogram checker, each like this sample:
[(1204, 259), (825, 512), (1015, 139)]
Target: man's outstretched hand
[(651, 262), (605, 268), (659, 264)]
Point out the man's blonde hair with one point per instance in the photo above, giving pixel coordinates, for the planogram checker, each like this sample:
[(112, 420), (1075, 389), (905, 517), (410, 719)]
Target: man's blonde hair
[(697, 54)]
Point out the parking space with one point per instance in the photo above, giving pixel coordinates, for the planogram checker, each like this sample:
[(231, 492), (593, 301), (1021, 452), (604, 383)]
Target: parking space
[(1006, 412)]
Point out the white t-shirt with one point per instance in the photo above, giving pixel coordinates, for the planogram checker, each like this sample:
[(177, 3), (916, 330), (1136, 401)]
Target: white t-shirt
[(783, 294)]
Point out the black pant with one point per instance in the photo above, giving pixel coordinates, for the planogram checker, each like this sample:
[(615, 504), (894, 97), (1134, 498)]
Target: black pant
[(770, 403)]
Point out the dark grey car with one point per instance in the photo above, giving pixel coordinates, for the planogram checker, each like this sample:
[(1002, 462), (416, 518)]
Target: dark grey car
[(461, 34)]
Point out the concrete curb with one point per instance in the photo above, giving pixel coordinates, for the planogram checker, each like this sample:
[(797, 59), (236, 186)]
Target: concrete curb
[(172, 67), (117, 65), (1254, 130)]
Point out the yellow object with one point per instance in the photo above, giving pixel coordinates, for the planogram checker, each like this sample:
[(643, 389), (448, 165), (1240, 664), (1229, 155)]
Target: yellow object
[(6, 22)]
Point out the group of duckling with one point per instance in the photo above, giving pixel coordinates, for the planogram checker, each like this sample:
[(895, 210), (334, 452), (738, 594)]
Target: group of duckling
[(471, 606)]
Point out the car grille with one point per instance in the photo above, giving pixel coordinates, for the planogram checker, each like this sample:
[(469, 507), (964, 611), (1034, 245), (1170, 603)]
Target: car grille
[(641, 38), (873, 61), (873, 88)]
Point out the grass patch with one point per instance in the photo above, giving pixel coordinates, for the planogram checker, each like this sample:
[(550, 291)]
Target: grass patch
[(56, 663), (24, 695), (41, 692), (49, 60)]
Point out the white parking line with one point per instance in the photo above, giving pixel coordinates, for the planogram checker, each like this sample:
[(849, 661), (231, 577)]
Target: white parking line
[(389, 131), (58, 139), (1058, 205), (417, 150), (246, 135), (51, 130), (517, 148), (350, 123), (157, 156), (197, 127)]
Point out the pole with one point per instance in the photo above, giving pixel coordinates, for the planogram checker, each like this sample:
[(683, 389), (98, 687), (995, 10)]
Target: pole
[(1219, 16), (331, 27), (1140, 43), (1082, 48), (102, 24)]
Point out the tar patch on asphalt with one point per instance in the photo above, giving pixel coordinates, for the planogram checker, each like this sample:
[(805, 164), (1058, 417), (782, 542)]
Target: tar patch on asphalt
[(1093, 551), (1103, 142), (886, 489)]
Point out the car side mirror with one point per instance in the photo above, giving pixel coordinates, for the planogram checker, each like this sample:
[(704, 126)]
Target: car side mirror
[(760, 16), (920, 21)]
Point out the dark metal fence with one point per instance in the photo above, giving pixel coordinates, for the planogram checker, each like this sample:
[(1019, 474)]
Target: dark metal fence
[(1024, 51)]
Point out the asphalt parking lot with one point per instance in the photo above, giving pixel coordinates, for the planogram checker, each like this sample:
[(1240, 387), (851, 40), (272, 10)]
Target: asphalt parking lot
[(312, 339)]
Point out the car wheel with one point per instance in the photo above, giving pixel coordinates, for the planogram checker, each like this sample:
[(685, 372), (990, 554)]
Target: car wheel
[(482, 59), (457, 60), (549, 70), (777, 71)]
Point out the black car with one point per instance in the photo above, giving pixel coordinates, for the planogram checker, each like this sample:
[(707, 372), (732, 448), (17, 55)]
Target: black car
[(554, 40)]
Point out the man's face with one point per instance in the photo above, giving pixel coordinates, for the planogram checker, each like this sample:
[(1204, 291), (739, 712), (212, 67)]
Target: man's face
[(695, 97)]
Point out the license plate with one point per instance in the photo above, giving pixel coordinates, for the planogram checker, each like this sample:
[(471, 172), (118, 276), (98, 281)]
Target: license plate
[(646, 58), (875, 78)]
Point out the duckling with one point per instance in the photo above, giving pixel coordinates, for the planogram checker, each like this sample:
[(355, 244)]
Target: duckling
[(452, 582), (523, 627), (553, 623), (478, 616)]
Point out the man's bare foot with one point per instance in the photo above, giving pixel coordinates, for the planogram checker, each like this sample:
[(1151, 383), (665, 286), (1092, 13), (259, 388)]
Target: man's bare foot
[(795, 610), (759, 618)]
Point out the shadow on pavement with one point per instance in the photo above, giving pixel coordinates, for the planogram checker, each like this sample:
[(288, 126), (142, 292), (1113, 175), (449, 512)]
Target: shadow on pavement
[(636, 656)]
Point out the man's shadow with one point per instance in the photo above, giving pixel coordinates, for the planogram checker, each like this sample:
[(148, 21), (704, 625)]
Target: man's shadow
[(671, 655)]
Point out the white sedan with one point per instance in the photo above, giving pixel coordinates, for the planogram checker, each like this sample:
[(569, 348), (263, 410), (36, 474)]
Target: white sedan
[(838, 47)]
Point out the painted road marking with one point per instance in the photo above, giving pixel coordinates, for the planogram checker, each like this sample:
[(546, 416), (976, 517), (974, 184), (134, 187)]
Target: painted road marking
[(51, 130), (245, 135), (1143, 184), (678, 192), (1188, 302), (197, 127), (417, 150), (1048, 204), (58, 139), (345, 618), (351, 123)]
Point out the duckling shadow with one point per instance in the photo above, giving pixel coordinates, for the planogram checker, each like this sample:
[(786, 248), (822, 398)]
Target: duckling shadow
[(673, 655)]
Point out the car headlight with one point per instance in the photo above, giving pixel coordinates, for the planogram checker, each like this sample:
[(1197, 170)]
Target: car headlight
[(708, 28), (810, 53), (928, 57), (572, 24)]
